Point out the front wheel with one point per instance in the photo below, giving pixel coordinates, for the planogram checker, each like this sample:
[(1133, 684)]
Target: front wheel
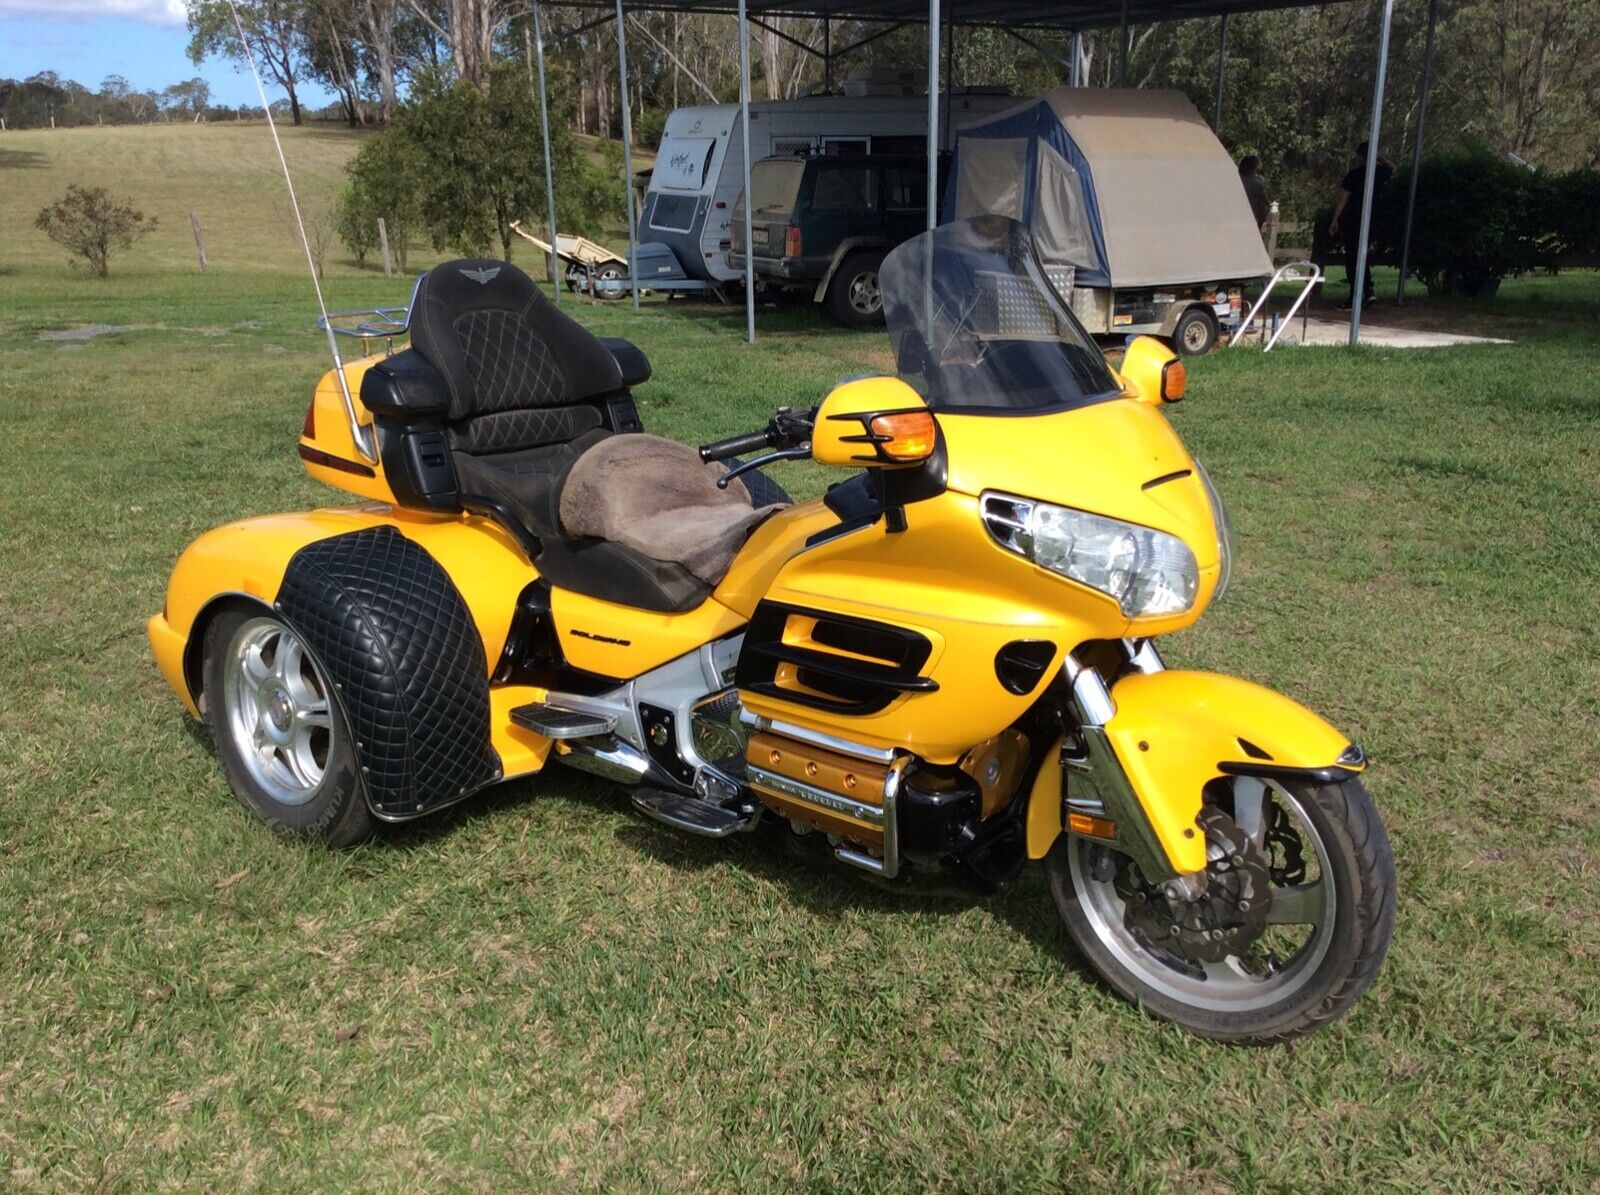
[(1296, 916)]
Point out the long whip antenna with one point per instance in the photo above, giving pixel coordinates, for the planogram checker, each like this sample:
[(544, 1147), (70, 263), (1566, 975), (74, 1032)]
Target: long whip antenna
[(357, 430)]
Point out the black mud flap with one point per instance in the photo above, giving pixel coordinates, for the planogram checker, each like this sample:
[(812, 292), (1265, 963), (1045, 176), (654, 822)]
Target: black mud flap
[(399, 644)]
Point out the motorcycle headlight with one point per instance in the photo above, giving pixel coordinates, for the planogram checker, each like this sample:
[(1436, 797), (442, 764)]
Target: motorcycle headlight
[(1148, 572), (1224, 525)]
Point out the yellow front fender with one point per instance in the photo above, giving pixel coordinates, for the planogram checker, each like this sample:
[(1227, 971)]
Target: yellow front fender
[(1174, 732)]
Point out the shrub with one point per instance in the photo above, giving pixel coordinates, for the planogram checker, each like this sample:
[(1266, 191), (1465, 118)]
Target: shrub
[(356, 221), (90, 224), (1475, 222)]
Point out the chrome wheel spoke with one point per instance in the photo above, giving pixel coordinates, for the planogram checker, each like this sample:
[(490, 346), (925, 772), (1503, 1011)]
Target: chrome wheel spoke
[(254, 667), (1296, 904)]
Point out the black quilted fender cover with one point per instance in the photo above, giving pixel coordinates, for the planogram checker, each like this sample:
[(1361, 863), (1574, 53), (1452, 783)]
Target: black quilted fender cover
[(399, 644)]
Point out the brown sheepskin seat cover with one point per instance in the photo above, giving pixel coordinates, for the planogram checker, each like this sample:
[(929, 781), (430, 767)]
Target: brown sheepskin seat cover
[(659, 498)]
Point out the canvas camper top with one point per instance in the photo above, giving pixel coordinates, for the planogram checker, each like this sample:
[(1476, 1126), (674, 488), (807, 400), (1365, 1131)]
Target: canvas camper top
[(1129, 186)]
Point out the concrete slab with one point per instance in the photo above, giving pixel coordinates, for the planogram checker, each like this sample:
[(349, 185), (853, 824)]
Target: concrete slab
[(1321, 331)]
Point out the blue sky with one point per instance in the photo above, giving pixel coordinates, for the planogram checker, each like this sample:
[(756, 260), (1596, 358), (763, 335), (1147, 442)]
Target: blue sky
[(143, 40)]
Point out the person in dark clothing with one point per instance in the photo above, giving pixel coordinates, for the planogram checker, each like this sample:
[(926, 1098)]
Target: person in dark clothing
[(1255, 187), (1346, 222)]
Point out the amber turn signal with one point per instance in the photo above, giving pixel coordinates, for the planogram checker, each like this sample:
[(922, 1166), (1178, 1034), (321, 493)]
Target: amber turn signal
[(1174, 380), (1092, 827), (909, 435)]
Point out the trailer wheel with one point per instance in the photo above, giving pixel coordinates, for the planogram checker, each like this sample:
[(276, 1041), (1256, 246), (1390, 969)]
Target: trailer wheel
[(1195, 333), (855, 296)]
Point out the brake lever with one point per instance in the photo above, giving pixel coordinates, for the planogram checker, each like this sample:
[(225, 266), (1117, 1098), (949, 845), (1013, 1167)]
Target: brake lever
[(784, 454)]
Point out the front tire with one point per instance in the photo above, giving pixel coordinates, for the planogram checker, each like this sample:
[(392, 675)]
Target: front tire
[(279, 730), (1211, 965)]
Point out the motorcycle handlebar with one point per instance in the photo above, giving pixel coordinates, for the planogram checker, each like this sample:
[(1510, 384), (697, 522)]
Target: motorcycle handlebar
[(721, 450)]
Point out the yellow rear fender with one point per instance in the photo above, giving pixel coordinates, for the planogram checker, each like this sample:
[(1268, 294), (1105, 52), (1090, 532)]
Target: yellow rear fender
[(1172, 733)]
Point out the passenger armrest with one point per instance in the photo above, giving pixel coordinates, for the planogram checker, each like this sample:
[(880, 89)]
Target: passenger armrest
[(635, 366), (406, 388)]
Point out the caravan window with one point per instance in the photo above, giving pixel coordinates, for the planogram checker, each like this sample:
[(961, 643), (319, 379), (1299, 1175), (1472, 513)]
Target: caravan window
[(1060, 218), (683, 163), (910, 146), (843, 189)]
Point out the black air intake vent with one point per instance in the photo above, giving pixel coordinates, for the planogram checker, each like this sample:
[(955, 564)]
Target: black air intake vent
[(830, 661)]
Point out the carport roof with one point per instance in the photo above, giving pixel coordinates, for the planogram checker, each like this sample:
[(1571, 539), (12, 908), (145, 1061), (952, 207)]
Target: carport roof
[(1014, 14)]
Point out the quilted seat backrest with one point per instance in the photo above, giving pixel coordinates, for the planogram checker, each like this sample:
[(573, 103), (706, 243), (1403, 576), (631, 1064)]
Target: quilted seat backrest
[(520, 374)]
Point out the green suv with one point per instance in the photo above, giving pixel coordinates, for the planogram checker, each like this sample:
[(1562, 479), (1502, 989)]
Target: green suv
[(823, 224)]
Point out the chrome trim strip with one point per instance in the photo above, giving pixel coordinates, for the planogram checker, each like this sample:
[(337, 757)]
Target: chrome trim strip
[(860, 811), (818, 739)]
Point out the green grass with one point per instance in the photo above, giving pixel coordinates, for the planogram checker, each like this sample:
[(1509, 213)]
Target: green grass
[(543, 991)]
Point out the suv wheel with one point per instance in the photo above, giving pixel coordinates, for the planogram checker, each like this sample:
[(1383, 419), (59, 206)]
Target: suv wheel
[(855, 296)]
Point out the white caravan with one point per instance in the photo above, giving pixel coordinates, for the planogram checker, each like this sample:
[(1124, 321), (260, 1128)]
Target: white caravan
[(699, 167)]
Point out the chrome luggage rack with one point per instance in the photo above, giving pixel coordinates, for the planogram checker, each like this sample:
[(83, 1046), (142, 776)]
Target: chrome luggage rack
[(373, 323)]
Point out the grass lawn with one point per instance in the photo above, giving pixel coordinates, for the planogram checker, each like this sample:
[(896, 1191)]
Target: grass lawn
[(543, 991)]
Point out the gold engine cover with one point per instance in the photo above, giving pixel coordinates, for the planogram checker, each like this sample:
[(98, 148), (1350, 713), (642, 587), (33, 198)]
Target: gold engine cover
[(826, 790)]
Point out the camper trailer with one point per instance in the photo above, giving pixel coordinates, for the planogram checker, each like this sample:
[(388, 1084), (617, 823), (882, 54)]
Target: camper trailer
[(1135, 208), (688, 209)]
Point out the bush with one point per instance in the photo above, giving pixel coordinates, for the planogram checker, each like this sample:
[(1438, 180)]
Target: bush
[(90, 224), (1570, 209), (1475, 222), (356, 221)]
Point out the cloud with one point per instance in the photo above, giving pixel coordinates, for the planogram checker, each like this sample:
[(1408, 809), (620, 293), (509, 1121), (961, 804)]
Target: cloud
[(151, 12)]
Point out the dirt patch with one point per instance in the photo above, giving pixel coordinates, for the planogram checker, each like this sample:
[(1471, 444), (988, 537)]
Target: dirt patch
[(86, 332)]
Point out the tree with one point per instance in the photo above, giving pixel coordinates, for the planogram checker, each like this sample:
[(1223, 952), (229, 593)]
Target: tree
[(385, 182), (274, 30), (479, 158), (90, 224), (356, 221)]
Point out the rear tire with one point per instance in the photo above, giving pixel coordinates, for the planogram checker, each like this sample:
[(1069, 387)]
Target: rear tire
[(1310, 989), (279, 730), (855, 294), (1195, 333)]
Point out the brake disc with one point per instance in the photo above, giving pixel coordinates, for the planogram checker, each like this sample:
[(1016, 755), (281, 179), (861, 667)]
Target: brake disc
[(1225, 920)]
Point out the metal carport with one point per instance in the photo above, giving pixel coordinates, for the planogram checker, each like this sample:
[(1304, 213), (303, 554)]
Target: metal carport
[(1015, 17)]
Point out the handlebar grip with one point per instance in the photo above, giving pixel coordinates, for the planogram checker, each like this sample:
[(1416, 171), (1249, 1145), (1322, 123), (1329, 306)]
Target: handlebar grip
[(721, 450)]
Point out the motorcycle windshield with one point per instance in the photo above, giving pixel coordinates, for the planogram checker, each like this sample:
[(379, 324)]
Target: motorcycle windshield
[(979, 329)]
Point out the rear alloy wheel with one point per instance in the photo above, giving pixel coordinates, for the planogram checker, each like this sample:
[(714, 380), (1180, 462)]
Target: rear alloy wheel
[(279, 731), (1292, 927), (855, 295), (1195, 333)]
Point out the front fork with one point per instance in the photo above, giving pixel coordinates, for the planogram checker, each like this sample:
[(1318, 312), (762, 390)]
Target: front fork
[(1100, 799)]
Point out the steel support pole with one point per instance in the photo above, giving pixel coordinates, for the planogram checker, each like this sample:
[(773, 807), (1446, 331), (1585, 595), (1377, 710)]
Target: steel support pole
[(1075, 75), (549, 170), (933, 162), (1222, 73), (748, 239), (1369, 200), (627, 153), (827, 54), (1416, 150), (933, 113), (1122, 47)]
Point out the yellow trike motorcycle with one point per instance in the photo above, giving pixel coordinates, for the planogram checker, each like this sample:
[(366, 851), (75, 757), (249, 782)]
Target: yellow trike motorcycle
[(945, 667)]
